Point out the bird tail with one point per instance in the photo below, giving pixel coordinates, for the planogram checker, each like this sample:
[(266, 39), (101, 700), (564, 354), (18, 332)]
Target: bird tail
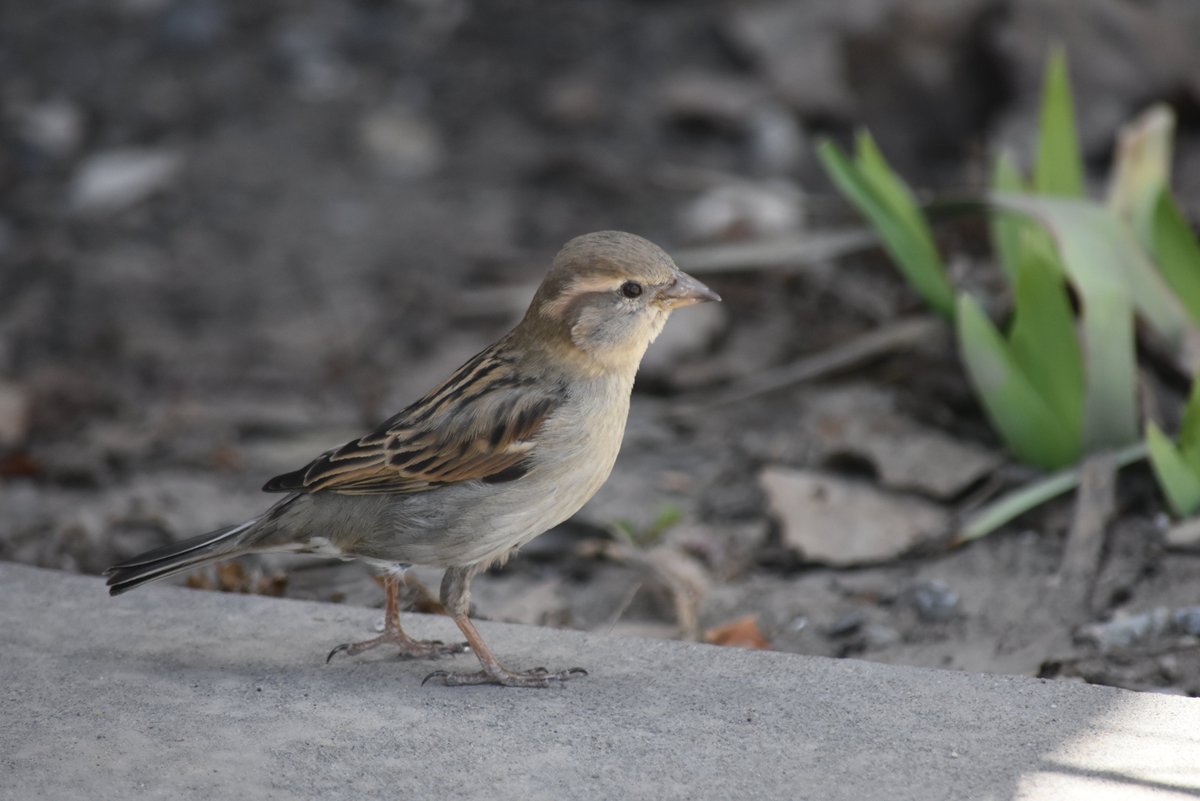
[(171, 559)]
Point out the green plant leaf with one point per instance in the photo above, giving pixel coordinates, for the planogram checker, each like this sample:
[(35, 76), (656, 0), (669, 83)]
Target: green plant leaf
[(1027, 424), (1178, 253), (1189, 430), (1009, 506), (1015, 234), (1059, 169), (1044, 342), (1099, 252), (1006, 229), (1176, 478), (1110, 417), (891, 188), (884, 200), (624, 530), (1112, 276)]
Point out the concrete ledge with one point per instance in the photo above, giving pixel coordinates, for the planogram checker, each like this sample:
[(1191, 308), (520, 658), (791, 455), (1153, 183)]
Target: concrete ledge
[(172, 693)]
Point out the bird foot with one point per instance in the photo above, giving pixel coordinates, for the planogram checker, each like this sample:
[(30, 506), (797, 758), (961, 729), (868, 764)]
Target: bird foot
[(538, 677), (409, 648)]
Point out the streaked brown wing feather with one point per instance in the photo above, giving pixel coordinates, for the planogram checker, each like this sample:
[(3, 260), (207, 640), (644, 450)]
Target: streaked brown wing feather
[(479, 424)]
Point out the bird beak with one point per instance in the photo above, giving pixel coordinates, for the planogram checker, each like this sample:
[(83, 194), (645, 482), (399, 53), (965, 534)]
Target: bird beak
[(686, 291)]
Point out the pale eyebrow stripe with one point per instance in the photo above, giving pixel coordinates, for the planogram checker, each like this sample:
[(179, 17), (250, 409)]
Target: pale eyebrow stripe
[(580, 285)]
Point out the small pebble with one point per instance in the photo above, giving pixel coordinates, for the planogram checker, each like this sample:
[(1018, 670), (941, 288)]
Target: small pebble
[(54, 127), (934, 601), (847, 624), (879, 636), (1187, 620), (401, 141), (193, 24), (117, 179)]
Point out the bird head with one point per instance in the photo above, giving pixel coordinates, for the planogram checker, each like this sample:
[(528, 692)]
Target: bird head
[(609, 294)]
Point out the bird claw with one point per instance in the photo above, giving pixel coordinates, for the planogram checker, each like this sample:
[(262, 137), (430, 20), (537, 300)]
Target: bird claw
[(538, 677), (343, 647), (409, 648)]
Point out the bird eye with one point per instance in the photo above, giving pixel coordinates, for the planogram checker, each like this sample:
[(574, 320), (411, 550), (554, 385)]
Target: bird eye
[(631, 289)]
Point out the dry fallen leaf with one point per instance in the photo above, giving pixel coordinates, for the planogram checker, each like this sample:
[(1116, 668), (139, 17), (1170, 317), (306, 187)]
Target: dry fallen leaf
[(865, 422), (201, 580), (740, 633), (233, 577), (274, 585), (19, 465), (16, 414), (843, 522)]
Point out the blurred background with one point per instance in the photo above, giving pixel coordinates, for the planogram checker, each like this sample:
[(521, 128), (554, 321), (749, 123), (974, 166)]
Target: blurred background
[(233, 235)]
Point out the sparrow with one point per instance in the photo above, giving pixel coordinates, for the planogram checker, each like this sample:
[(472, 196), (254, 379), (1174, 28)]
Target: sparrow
[(513, 443)]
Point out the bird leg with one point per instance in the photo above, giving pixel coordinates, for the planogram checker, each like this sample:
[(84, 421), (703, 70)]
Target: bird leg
[(456, 598), (394, 635)]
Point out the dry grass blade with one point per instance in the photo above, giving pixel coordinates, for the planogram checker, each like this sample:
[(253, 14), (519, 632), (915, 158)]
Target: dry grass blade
[(683, 577), (1142, 169)]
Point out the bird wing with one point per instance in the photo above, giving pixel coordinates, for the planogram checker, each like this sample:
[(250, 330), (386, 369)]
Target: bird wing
[(479, 424)]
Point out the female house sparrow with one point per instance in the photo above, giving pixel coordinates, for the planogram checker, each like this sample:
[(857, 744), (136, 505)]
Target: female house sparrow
[(512, 444)]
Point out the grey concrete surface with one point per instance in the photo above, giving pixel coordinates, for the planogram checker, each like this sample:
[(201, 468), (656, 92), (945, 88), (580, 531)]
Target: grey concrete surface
[(173, 693)]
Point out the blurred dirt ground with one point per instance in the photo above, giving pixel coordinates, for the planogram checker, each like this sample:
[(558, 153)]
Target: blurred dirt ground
[(233, 235)]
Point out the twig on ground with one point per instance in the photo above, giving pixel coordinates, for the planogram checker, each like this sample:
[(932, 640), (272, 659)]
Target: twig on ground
[(798, 251), (881, 341), (1094, 507)]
